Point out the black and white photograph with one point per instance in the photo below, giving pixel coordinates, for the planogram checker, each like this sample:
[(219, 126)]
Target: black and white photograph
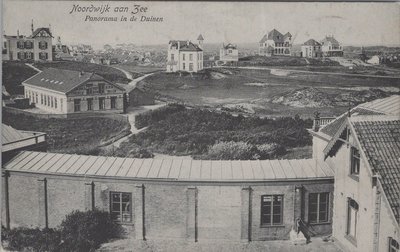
[(197, 126)]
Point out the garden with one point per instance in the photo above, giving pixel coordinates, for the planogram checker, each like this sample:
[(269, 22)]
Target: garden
[(78, 232), (77, 135)]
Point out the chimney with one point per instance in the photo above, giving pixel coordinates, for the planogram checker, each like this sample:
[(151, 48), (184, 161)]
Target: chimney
[(187, 42), (179, 45)]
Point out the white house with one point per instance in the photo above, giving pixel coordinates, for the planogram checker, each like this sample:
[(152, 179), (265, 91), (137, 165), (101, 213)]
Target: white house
[(331, 47), (37, 47), (311, 49), (275, 43), (374, 60), (229, 53), (59, 91), (184, 55), (362, 147)]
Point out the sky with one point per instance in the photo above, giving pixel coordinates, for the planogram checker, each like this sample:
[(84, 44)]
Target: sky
[(235, 22)]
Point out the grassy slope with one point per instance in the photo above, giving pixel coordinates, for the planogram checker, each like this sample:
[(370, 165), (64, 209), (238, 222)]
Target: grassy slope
[(14, 73), (81, 136), (106, 72), (193, 131)]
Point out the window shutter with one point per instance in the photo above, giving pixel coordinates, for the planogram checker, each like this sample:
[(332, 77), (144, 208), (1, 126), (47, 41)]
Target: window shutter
[(45, 45), (47, 55)]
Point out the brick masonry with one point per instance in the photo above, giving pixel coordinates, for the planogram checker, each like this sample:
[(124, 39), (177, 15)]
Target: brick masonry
[(172, 210)]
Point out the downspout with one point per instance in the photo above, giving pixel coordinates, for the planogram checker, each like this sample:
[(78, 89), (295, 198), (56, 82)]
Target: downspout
[(7, 199)]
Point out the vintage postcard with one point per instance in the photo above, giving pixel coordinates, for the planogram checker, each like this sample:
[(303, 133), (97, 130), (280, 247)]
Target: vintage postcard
[(200, 126)]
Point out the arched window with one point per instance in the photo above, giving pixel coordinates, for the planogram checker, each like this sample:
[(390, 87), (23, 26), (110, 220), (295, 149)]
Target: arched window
[(393, 245)]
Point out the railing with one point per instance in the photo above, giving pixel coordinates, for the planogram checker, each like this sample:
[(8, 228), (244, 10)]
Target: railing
[(321, 121), (36, 138)]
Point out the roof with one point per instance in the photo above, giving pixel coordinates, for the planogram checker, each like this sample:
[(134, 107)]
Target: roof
[(230, 46), (330, 39), (200, 37), (385, 106), (185, 45), (276, 36), (312, 42), (379, 138), (10, 135), (36, 32), (12, 139), (60, 80), (168, 169)]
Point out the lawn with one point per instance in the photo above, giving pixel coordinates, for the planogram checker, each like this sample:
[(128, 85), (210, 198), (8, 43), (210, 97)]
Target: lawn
[(107, 72), (249, 91), (80, 136), (14, 73)]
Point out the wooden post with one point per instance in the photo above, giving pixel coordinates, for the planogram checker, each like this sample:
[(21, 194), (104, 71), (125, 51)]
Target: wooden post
[(90, 196), (6, 174), (192, 213), (43, 190), (250, 214), (143, 213)]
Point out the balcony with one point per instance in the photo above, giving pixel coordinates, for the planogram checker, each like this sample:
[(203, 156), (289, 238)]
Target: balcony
[(321, 121)]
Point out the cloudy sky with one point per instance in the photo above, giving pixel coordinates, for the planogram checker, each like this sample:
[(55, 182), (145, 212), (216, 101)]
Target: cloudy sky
[(237, 22)]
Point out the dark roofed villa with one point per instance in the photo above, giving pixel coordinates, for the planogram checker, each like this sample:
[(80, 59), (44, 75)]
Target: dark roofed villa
[(275, 43), (62, 91)]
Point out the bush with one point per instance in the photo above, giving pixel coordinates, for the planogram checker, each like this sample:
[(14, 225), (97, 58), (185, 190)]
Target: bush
[(86, 231), (149, 117), (31, 239)]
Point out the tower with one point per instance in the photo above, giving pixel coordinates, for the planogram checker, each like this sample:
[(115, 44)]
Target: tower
[(200, 40)]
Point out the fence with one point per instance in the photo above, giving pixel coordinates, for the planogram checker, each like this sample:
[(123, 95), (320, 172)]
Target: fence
[(117, 117)]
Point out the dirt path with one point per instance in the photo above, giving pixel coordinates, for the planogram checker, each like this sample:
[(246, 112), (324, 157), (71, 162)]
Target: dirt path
[(125, 245), (34, 68), (315, 72), (132, 112), (133, 81)]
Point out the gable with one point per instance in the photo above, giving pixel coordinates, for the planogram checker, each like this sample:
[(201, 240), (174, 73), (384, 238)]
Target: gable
[(42, 32), (92, 83)]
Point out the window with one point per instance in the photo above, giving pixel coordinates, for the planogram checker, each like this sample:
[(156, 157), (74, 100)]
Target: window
[(45, 100), (41, 99), (28, 44), (355, 161), (37, 97), (271, 210), (28, 55), (183, 55), (77, 105), (102, 103), (113, 102), (55, 102), (183, 66), (229, 51), (190, 66), (43, 45), (190, 57), (393, 245), (121, 206), (43, 55), (352, 212), (90, 104), (318, 207), (101, 88), (20, 44), (51, 101), (89, 90)]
